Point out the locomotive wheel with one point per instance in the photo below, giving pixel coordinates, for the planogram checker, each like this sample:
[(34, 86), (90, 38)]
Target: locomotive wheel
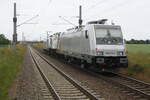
[(69, 60), (82, 65)]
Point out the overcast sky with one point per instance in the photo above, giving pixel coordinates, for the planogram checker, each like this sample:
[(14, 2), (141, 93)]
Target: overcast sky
[(132, 15)]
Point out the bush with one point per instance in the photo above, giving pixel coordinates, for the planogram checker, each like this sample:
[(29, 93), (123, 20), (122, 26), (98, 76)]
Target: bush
[(10, 62), (3, 40)]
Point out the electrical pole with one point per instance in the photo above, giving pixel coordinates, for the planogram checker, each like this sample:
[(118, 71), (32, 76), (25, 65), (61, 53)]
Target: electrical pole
[(23, 38), (47, 38), (80, 16), (15, 27)]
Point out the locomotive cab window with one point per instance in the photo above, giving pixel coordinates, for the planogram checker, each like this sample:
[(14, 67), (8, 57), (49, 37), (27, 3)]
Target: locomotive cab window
[(111, 36), (86, 34)]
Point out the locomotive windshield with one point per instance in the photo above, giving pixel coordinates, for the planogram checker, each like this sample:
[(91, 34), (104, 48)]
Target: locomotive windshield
[(112, 36)]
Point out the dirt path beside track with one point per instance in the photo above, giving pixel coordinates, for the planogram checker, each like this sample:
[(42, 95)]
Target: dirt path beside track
[(26, 86)]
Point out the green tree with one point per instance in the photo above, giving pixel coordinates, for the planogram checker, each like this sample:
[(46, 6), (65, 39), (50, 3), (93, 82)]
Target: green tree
[(133, 41), (3, 40)]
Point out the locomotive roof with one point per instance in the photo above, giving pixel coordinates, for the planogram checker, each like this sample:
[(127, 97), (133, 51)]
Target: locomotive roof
[(105, 26), (95, 25)]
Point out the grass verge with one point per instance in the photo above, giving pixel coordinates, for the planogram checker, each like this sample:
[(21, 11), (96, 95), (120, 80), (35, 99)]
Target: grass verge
[(139, 61), (38, 45), (10, 62)]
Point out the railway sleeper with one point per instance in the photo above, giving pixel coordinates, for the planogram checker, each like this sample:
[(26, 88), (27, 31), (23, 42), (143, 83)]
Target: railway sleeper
[(68, 92), (68, 95), (66, 88), (74, 97)]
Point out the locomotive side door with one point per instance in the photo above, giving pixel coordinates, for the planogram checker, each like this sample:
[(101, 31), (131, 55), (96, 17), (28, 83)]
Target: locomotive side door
[(85, 43)]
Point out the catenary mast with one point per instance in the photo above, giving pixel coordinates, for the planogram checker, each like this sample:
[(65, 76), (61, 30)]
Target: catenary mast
[(15, 26)]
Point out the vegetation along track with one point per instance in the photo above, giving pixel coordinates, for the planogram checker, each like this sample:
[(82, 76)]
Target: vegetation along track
[(60, 85)]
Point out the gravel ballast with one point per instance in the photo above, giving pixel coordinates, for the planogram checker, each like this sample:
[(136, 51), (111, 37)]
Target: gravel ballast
[(27, 86)]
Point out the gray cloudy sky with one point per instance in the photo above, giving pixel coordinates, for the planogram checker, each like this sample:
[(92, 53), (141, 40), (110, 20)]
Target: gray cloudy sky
[(132, 15)]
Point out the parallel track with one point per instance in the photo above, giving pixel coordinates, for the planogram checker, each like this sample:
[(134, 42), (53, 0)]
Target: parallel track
[(136, 87), (60, 85)]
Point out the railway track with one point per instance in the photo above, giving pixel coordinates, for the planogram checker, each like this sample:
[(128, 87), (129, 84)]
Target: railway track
[(57, 85), (44, 90), (138, 89)]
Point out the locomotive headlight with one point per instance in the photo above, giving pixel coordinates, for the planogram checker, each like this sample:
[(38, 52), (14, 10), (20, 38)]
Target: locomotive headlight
[(100, 53), (120, 53)]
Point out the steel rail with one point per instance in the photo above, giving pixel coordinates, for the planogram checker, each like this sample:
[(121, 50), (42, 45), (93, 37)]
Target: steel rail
[(49, 85), (132, 79), (122, 85), (82, 89), (139, 91)]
